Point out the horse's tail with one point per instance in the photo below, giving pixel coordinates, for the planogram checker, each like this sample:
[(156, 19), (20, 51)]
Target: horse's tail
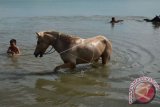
[(106, 55)]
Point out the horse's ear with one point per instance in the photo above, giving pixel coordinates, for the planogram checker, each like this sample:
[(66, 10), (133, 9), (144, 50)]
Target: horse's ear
[(37, 35)]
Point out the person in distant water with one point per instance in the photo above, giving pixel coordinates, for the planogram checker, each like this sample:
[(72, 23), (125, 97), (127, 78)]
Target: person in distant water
[(155, 19), (115, 21), (13, 49)]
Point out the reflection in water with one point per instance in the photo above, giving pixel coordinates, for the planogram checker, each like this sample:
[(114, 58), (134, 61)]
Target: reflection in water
[(14, 61), (70, 87), (156, 25), (112, 25)]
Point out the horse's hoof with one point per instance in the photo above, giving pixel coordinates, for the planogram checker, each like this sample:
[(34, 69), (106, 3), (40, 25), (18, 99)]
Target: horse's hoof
[(56, 70)]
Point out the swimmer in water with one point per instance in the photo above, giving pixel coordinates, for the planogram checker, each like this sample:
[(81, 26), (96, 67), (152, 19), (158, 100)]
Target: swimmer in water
[(113, 20)]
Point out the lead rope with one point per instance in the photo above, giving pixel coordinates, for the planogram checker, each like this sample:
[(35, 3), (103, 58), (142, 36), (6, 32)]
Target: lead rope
[(49, 52), (77, 56)]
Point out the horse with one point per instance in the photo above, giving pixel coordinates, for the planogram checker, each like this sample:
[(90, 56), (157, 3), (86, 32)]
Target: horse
[(74, 50)]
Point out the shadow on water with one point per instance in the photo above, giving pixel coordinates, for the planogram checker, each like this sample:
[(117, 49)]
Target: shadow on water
[(73, 87), (81, 89)]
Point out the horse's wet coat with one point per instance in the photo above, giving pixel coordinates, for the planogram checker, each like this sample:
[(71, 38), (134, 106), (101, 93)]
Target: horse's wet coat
[(74, 50)]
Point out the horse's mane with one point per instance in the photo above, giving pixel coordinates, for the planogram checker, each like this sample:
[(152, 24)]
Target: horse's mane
[(63, 36)]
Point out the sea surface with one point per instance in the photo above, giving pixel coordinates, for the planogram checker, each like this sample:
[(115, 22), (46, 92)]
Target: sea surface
[(29, 8), (26, 81)]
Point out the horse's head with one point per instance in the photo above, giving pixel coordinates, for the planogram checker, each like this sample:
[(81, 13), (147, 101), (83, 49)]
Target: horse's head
[(44, 41)]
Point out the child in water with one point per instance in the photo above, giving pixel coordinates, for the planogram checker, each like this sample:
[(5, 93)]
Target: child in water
[(13, 49)]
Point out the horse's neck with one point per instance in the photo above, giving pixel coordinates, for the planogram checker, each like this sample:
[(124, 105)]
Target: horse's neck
[(61, 45), (64, 42)]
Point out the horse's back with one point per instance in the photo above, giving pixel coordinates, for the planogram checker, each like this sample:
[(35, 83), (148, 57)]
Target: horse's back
[(99, 40), (91, 48)]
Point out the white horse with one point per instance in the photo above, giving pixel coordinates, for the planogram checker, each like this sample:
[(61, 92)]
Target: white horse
[(74, 50)]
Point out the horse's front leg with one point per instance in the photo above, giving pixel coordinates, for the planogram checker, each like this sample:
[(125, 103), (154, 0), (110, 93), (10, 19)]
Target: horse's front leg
[(65, 65)]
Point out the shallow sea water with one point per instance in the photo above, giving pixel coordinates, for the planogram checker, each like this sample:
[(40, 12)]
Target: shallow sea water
[(27, 81)]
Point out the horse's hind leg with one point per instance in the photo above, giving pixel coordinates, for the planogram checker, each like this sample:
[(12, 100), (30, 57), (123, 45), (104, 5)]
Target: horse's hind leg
[(105, 57)]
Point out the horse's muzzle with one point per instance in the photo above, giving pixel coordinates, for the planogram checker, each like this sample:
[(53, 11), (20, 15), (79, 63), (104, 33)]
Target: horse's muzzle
[(35, 54)]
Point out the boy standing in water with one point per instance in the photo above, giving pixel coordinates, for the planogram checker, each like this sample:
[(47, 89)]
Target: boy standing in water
[(13, 49)]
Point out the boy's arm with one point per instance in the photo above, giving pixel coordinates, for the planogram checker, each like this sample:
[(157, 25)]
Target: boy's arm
[(19, 52), (8, 51)]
